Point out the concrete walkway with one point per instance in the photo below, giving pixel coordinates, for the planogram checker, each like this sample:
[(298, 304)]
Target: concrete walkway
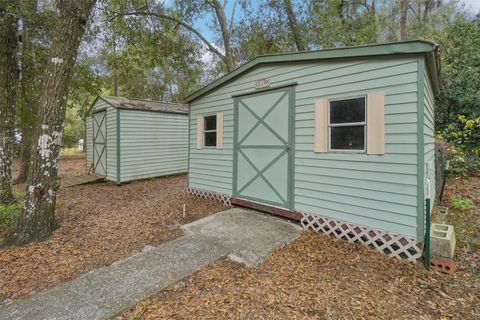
[(241, 234)]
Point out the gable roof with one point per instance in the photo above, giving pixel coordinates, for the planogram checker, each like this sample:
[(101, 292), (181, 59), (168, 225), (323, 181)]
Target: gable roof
[(144, 105), (381, 49)]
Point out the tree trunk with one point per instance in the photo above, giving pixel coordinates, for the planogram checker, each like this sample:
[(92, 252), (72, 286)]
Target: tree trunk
[(8, 94), (292, 22), (403, 19), (222, 21), (27, 104), (37, 219)]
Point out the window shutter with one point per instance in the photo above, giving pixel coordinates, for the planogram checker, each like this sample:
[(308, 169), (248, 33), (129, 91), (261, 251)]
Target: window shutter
[(321, 126), (376, 123), (219, 130), (200, 126)]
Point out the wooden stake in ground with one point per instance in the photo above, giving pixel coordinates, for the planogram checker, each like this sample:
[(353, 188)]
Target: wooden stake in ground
[(37, 219), (8, 89)]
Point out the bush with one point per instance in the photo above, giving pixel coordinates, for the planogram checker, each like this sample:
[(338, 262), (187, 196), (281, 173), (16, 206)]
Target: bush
[(461, 203), (463, 145), (9, 214)]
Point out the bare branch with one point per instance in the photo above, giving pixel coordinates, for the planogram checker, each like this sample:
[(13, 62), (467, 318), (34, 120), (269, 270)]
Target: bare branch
[(180, 22)]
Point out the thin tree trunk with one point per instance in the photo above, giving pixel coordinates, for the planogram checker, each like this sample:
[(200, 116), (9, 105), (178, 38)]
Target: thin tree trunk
[(292, 21), (37, 219), (403, 19), (27, 106), (8, 94)]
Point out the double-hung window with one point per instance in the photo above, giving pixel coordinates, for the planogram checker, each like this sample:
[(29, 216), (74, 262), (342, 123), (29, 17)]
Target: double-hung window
[(347, 124), (210, 131)]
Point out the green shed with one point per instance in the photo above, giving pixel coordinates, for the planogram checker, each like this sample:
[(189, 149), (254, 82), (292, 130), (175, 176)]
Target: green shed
[(340, 139), (130, 139)]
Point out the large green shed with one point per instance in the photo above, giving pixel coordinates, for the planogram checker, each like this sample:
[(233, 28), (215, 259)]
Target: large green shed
[(130, 139), (340, 139)]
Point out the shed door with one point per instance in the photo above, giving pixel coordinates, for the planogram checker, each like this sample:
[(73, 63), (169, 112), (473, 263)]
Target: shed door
[(263, 136), (99, 143)]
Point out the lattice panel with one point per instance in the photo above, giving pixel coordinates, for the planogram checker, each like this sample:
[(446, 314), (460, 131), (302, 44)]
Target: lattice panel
[(393, 245), (223, 198)]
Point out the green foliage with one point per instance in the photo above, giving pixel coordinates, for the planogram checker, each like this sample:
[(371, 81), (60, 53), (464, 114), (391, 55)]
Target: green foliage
[(461, 203), (9, 214), (460, 57), (463, 149)]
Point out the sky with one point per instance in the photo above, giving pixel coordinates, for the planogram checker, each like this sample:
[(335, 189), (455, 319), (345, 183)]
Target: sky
[(472, 6)]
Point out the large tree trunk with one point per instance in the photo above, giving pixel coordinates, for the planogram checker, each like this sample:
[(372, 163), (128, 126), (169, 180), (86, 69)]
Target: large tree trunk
[(8, 94), (37, 219), (27, 102), (403, 19), (292, 22)]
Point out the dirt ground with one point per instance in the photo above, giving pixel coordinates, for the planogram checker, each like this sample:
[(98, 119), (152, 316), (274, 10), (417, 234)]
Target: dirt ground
[(100, 224), (320, 277)]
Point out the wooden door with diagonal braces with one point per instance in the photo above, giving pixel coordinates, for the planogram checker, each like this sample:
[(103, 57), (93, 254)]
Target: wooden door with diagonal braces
[(263, 156), (100, 143)]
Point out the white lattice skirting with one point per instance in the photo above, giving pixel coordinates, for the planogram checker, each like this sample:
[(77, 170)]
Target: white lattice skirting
[(223, 198), (393, 245)]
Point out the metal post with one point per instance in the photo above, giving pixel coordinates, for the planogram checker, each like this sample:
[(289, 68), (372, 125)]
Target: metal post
[(427, 234)]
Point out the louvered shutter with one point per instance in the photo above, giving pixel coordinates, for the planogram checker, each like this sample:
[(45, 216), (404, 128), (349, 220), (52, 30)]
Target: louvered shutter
[(376, 123), (321, 126), (200, 126)]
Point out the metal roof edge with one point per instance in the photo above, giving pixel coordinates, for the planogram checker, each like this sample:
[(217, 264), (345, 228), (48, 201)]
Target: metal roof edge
[(379, 49)]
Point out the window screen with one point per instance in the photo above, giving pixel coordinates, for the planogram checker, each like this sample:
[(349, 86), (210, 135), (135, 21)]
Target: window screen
[(347, 124), (210, 131)]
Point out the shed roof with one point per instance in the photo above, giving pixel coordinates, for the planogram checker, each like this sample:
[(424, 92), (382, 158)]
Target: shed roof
[(426, 48), (144, 105)]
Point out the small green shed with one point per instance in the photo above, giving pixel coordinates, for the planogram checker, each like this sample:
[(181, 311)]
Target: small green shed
[(130, 139), (340, 139)]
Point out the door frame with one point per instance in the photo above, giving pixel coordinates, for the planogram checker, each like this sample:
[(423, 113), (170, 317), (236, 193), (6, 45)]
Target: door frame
[(291, 143), (93, 139)]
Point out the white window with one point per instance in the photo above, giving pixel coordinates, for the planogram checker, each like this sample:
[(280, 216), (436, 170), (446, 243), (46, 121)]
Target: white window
[(347, 124), (210, 131)]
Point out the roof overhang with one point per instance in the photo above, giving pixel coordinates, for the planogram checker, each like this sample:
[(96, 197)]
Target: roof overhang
[(382, 49)]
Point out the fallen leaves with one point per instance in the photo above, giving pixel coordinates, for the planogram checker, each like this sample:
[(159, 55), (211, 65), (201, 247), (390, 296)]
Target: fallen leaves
[(320, 277), (100, 224)]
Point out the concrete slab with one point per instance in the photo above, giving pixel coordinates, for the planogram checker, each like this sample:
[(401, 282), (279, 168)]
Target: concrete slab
[(249, 235), (100, 294)]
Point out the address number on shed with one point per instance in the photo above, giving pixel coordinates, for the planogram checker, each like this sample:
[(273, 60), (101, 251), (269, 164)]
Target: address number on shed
[(262, 83)]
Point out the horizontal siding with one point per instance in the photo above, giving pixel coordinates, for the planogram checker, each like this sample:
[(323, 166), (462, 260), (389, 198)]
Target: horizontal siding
[(378, 191), (152, 144), (112, 144), (429, 133), (89, 140)]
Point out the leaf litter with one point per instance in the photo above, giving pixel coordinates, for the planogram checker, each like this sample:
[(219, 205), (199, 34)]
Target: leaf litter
[(99, 224), (320, 277)]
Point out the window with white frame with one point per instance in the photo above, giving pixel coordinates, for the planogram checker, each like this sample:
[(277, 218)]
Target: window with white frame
[(210, 131), (347, 124)]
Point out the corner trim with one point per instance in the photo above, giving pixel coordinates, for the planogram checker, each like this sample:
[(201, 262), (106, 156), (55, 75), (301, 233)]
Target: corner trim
[(118, 145), (420, 148)]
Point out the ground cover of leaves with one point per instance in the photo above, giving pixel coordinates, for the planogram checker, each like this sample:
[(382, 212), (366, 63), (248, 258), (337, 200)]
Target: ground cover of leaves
[(320, 277), (99, 224)]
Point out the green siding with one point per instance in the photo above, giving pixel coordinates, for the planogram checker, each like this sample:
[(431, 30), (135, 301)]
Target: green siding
[(152, 144), (111, 144), (378, 191), (89, 141), (429, 133)]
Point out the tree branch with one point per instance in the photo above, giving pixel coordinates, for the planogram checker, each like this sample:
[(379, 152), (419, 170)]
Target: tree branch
[(180, 22)]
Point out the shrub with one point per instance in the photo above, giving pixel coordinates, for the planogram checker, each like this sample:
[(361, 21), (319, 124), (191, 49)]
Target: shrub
[(9, 214), (461, 203), (463, 145)]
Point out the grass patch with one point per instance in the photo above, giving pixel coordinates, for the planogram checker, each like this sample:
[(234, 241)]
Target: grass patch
[(9, 214), (71, 153), (461, 203)]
